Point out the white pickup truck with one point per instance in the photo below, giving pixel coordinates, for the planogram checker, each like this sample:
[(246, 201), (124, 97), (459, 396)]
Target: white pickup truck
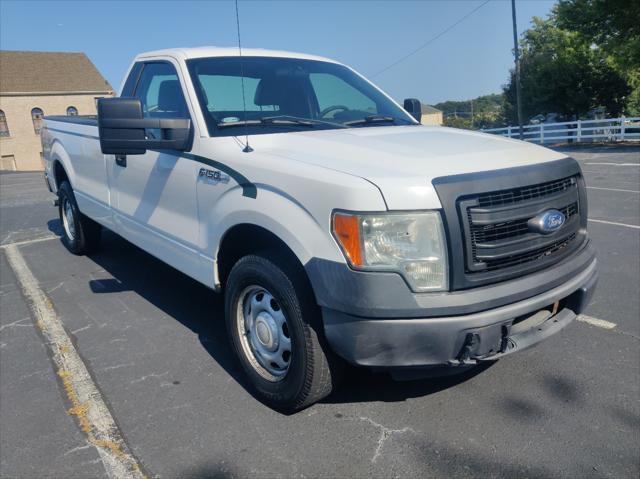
[(339, 229)]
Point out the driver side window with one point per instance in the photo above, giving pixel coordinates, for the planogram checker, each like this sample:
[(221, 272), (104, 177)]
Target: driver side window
[(332, 91), (160, 92)]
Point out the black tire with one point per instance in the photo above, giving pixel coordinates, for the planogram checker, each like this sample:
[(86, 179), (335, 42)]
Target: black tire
[(80, 234), (313, 370)]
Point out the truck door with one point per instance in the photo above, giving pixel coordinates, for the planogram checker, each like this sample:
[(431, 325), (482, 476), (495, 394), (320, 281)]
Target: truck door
[(153, 195)]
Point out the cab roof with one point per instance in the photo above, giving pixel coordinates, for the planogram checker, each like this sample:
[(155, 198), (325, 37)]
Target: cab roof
[(211, 51)]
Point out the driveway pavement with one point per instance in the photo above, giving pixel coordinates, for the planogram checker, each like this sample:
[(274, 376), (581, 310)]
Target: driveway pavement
[(154, 343)]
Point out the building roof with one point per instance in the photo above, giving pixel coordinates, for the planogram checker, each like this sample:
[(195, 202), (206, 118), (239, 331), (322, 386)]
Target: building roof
[(49, 72), (211, 51), (428, 109)]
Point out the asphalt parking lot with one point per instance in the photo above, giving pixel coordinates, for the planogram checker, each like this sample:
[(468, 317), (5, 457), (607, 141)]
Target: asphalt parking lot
[(154, 343)]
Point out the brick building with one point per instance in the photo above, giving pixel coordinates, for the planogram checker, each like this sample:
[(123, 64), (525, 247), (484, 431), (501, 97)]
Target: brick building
[(431, 116), (34, 84)]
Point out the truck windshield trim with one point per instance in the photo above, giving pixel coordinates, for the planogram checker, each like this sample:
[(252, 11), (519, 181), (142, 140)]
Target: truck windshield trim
[(287, 94)]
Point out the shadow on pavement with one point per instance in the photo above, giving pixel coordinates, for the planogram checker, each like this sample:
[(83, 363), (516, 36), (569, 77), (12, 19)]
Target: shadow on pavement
[(363, 385), (55, 226), (192, 304), (202, 311), (209, 471)]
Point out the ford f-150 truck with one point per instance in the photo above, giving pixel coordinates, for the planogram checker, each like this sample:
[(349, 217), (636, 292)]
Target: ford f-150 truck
[(339, 229)]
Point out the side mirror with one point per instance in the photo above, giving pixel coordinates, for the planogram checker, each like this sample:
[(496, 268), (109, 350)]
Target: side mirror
[(414, 108), (122, 129)]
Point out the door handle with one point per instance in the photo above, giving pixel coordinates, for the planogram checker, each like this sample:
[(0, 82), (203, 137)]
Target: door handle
[(121, 160)]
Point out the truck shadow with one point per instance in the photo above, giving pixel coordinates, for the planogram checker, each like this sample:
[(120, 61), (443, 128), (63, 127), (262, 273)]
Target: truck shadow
[(196, 307), (190, 303), (364, 385)]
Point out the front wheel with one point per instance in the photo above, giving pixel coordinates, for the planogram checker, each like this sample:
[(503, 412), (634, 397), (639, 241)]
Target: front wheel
[(276, 331), (80, 234)]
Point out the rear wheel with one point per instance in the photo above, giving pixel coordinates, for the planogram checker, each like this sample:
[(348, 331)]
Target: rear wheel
[(276, 331), (80, 234)]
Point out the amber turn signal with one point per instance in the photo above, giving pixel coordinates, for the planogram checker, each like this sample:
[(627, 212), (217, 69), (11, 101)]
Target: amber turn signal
[(347, 232)]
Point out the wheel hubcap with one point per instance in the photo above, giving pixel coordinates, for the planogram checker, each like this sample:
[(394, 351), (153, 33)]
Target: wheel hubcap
[(68, 220), (264, 333)]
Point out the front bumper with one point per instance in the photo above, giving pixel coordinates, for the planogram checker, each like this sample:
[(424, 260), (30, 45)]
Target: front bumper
[(460, 328)]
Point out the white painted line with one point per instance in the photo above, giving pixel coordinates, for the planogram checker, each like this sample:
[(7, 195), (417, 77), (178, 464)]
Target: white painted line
[(35, 240), (24, 183), (612, 189), (615, 224), (600, 323), (87, 404), (615, 164)]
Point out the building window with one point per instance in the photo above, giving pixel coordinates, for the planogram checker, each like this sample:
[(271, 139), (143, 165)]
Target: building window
[(36, 117), (72, 111), (4, 128)]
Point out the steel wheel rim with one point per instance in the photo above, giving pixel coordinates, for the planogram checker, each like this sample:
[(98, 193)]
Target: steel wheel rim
[(264, 333), (68, 219)]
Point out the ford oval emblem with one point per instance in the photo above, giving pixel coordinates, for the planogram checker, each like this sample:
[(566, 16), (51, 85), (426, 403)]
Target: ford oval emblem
[(547, 222)]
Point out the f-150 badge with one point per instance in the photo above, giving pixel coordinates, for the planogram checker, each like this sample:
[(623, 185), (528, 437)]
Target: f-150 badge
[(214, 175)]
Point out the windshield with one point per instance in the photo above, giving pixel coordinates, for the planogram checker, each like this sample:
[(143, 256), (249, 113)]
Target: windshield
[(287, 94)]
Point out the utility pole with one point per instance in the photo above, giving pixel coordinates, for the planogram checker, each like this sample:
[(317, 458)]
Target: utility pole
[(517, 59), (472, 114)]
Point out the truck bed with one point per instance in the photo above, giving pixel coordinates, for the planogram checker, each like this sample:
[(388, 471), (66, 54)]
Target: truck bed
[(90, 120), (73, 143)]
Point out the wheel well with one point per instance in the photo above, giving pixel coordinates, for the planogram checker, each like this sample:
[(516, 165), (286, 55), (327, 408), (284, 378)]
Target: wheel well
[(59, 174), (245, 239)]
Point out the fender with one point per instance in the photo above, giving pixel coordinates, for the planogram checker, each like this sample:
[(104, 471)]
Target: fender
[(308, 239), (293, 200), (60, 155)]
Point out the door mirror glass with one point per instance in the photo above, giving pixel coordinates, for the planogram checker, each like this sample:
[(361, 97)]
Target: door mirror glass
[(414, 108), (123, 129)]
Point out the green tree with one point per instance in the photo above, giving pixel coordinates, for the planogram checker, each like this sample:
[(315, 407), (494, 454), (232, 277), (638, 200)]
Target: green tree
[(560, 72), (585, 55), (612, 26), (486, 112), (457, 122)]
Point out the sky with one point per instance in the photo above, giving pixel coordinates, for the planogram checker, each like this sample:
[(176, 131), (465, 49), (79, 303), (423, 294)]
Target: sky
[(470, 60)]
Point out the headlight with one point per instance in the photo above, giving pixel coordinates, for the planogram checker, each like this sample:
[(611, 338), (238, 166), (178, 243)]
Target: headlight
[(411, 244)]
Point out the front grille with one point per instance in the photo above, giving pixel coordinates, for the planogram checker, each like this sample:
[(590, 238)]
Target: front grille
[(487, 217), (497, 233), (510, 229), (537, 254), (526, 193)]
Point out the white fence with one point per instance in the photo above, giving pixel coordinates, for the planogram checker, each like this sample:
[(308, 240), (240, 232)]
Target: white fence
[(613, 129)]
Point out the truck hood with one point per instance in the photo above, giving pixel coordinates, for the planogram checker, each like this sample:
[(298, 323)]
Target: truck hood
[(402, 161)]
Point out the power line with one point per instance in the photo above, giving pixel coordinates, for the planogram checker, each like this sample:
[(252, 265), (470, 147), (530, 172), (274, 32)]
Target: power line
[(431, 40)]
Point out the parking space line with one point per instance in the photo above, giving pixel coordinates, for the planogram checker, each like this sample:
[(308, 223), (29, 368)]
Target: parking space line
[(615, 223), (87, 404), (25, 242), (614, 164), (600, 323), (612, 189)]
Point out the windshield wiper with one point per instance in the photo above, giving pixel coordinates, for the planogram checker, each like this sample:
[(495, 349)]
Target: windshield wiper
[(265, 121), (305, 121), (279, 120), (371, 119)]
